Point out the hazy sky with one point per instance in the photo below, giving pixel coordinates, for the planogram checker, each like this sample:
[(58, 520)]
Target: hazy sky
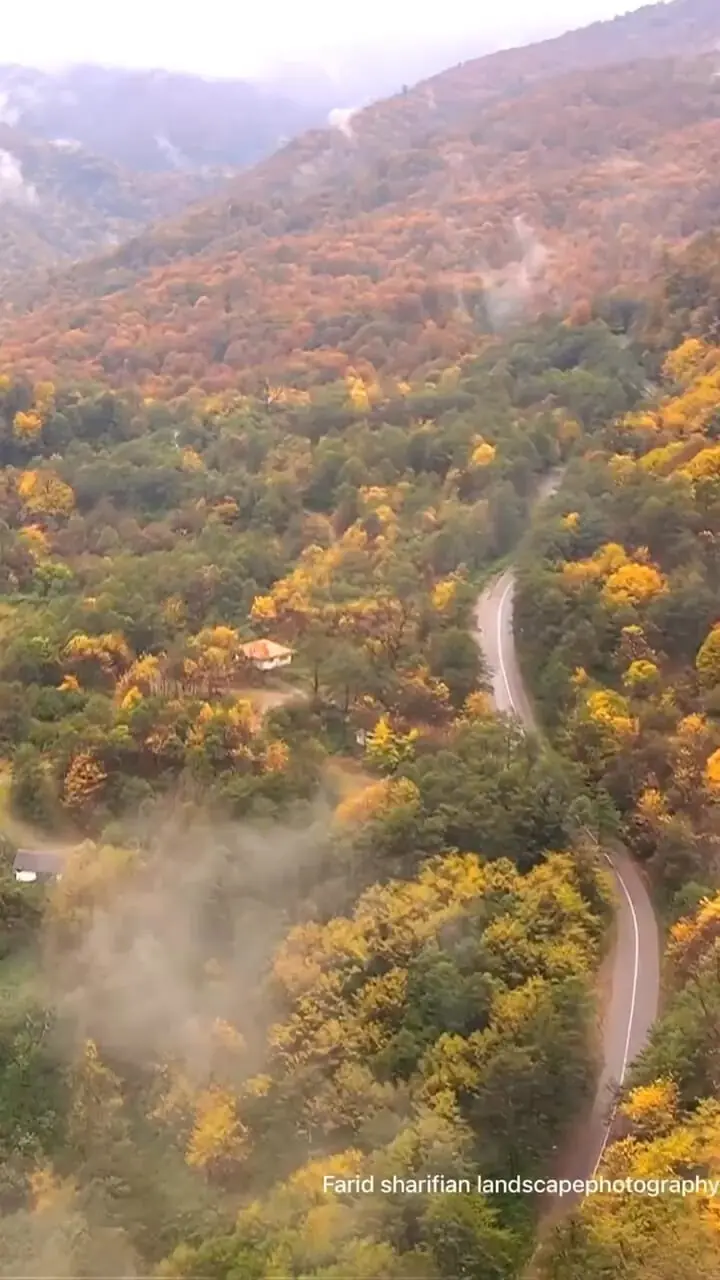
[(238, 37)]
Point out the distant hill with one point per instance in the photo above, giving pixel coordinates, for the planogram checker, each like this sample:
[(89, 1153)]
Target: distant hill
[(157, 121), (91, 155), (402, 235), (59, 202), (669, 29)]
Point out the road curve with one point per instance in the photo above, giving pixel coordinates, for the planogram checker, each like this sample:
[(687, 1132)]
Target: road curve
[(634, 977)]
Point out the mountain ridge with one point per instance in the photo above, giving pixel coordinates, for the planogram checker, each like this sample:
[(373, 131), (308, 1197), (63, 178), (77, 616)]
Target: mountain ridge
[(60, 202), (153, 121), (409, 231)]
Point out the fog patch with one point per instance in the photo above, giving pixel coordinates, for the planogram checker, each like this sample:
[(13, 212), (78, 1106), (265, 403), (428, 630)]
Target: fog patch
[(430, 99), (172, 154), (340, 118), (13, 187), (67, 144), (57, 1240), (186, 939), (157, 950), (510, 291), (9, 113)]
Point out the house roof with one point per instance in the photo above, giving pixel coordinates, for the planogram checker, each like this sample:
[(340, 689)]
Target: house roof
[(41, 861), (264, 650)]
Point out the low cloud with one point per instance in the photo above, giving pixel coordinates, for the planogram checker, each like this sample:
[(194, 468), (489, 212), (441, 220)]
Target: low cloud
[(13, 187), (67, 144), (172, 153), (138, 983), (509, 292), (9, 113), (340, 118)]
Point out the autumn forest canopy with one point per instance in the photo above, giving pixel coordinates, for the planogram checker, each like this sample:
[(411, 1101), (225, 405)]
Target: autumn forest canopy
[(323, 910)]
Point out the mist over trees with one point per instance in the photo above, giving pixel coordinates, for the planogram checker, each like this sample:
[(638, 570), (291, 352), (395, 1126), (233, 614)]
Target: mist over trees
[(322, 910)]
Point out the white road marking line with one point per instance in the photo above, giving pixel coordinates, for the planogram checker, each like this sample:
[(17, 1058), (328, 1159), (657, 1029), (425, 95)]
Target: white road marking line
[(501, 660), (633, 1003)]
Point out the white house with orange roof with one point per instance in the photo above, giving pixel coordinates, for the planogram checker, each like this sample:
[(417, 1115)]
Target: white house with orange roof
[(266, 655)]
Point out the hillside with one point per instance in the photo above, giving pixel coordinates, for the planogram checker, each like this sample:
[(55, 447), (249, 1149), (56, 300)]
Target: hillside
[(156, 121), (674, 28), (248, 980), (188, 1038), (343, 918), (618, 611), (59, 202), (433, 220), (92, 155), (194, 132)]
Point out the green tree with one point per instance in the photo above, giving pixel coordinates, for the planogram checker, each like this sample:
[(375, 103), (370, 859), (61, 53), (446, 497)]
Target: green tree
[(466, 1241)]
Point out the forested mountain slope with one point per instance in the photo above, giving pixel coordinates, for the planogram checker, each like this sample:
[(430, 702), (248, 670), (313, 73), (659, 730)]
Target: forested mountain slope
[(339, 918), (91, 155), (677, 28), (59, 202), (401, 244), (434, 151), (269, 962), (157, 120), (619, 615)]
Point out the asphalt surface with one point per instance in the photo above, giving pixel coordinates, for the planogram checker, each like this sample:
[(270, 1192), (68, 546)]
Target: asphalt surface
[(634, 967)]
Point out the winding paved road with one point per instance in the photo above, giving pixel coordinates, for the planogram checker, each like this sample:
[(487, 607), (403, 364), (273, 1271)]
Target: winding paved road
[(634, 979)]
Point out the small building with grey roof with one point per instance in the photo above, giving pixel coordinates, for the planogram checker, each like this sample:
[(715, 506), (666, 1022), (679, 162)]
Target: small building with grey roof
[(43, 865)]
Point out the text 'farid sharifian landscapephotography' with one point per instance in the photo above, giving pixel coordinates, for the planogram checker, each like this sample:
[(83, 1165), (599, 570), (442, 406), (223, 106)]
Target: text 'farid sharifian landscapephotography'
[(438, 1185)]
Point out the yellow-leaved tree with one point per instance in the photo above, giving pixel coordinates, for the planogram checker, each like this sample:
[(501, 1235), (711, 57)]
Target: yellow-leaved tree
[(386, 748), (27, 426), (653, 1108), (219, 1140), (712, 773), (634, 584), (44, 493), (376, 799), (707, 662), (483, 453), (106, 654)]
